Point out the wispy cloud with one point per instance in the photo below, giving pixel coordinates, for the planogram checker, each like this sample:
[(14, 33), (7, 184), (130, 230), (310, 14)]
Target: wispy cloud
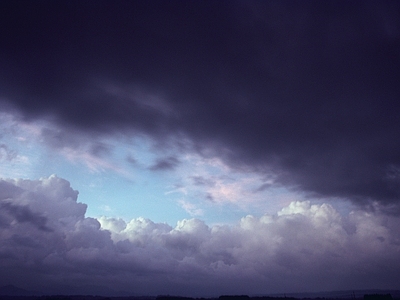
[(191, 208), (163, 164)]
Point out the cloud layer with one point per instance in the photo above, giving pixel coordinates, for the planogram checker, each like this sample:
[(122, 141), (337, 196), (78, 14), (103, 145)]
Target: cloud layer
[(223, 100), (46, 237), (307, 91)]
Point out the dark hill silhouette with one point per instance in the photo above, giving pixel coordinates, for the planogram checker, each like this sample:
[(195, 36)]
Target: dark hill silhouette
[(11, 290)]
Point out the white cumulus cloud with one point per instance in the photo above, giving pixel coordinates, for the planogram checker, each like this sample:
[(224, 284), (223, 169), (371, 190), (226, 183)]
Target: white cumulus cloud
[(46, 237)]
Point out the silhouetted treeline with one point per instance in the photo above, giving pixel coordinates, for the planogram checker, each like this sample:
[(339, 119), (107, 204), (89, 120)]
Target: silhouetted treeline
[(273, 298), (223, 297), (234, 297), (378, 297), (163, 297)]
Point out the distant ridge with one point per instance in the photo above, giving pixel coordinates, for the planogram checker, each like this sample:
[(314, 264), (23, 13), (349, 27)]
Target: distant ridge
[(11, 290), (98, 291), (345, 294)]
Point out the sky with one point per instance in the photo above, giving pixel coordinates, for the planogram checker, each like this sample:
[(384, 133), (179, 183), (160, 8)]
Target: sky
[(200, 148)]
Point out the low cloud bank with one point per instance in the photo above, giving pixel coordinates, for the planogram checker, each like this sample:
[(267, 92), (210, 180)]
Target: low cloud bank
[(46, 239)]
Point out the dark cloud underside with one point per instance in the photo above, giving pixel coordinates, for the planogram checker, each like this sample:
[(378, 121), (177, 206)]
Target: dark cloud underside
[(306, 89)]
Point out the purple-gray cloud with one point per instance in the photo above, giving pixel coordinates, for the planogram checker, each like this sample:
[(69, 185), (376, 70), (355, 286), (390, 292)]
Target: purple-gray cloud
[(301, 248), (307, 90), (167, 163)]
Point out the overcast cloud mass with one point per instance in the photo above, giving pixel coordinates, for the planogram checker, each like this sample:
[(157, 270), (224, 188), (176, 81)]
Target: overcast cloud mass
[(208, 110)]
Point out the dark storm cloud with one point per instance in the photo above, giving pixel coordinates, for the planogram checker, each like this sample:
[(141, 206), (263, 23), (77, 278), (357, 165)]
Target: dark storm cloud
[(306, 90)]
